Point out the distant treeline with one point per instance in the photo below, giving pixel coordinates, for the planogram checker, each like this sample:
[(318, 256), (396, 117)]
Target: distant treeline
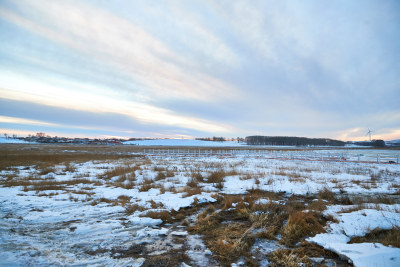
[(291, 141), (375, 143), (214, 138)]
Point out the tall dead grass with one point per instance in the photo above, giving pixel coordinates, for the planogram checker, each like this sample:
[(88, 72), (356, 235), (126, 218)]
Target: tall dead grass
[(300, 225)]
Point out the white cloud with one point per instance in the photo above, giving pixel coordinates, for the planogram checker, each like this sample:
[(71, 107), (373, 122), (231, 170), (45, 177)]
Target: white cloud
[(6, 119), (119, 43), (88, 98)]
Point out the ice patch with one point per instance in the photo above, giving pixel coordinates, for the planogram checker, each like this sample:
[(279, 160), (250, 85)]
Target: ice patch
[(359, 223), (145, 221), (368, 254)]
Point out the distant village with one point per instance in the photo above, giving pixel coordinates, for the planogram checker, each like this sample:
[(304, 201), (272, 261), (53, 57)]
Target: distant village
[(43, 138)]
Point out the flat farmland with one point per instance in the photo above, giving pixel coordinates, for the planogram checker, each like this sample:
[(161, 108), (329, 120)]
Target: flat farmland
[(135, 206)]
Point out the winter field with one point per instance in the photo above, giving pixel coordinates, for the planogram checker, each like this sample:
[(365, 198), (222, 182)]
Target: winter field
[(68, 205)]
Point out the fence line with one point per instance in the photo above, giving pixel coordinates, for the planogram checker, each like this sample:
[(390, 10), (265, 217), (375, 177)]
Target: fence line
[(271, 154)]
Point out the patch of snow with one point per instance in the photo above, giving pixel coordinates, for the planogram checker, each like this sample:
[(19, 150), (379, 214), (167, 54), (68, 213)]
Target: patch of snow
[(150, 232), (368, 254), (4, 140), (197, 251), (145, 221), (359, 223), (183, 142), (179, 233)]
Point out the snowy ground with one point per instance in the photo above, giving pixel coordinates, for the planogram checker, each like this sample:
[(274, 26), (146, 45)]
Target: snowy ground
[(184, 142), (135, 211), (359, 223), (4, 140)]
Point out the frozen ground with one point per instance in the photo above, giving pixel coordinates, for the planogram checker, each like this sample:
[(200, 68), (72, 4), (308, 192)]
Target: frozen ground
[(135, 211), (359, 223), (4, 140), (184, 142)]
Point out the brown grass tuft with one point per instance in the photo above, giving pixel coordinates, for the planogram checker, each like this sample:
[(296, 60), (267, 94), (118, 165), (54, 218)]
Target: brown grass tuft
[(145, 187), (190, 191), (160, 176), (131, 208), (288, 258), (216, 177), (327, 195), (389, 237), (300, 225), (164, 215)]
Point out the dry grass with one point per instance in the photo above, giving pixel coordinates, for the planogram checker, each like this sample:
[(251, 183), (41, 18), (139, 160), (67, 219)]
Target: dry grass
[(193, 183), (230, 242), (43, 156), (131, 208), (35, 183), (327, 195), (389, 237), (190, 191), (125, 172), (160, 176), (216, 177), (229, 231), (47, 170), (288, 258), (173, 258), (317, 205), (164, 215), (269, 217), (227, 241), (197, 176), (145, 187), (300, 225), (69, 167)]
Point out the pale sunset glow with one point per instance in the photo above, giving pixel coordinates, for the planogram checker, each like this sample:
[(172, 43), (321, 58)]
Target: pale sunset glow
[(200, 68)]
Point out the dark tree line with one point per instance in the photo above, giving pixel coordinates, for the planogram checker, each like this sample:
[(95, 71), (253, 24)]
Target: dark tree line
[(214, 138), (375, 143), (291, 141)]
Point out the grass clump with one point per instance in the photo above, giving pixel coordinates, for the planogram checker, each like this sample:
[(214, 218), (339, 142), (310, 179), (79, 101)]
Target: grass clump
[(190, 191), (172, 258), (132, 208), (160, 176), (216, 177), (300, 225), (390, 237), (164, 215), (288, 258), (125, 171), (145, 187), (327, 194)]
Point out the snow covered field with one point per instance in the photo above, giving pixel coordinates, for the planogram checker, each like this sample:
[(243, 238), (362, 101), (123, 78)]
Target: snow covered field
[(183, 142), (4, 140), (85, 206)]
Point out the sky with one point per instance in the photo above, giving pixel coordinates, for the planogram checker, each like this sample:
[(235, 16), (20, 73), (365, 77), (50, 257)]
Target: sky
[(184, 69)]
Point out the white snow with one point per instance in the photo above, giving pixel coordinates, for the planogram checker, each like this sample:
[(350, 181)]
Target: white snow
[(184, 142), (58, 230), (4, 140), (359, 223), (368, 254), (150, 232), (145, 221), (179, 233), (197, 251)]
